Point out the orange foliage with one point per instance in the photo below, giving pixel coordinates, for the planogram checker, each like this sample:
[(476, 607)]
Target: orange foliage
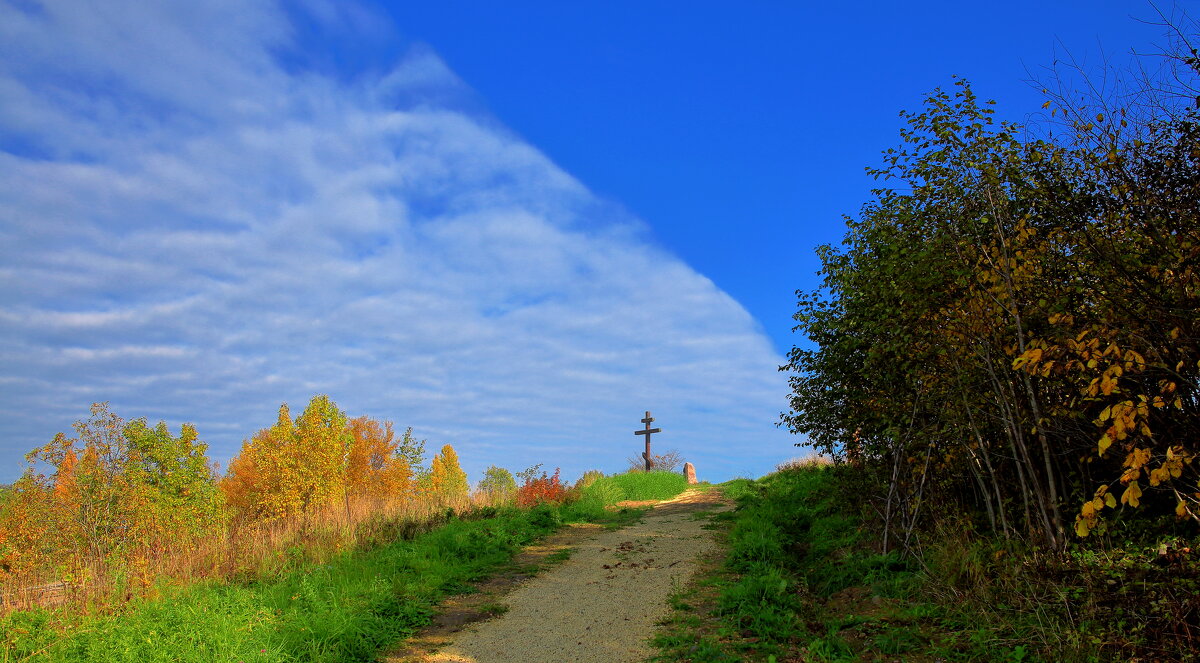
[(298, 466), (121, 503), (542, 489), (373, 467)]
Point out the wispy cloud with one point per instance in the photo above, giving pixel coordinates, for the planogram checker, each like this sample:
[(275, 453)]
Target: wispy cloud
[(196, 232)]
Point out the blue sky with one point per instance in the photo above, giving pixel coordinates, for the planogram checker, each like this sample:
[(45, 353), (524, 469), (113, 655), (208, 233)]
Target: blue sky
[(512, 226)]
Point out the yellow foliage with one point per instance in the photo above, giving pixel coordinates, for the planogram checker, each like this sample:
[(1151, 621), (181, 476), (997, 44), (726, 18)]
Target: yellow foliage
[(1132, 494)]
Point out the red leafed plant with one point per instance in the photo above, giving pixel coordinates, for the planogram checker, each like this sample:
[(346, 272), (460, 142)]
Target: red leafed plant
[(542, 489)]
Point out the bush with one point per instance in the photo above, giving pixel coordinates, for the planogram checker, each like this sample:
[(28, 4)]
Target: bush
[(542, 489)]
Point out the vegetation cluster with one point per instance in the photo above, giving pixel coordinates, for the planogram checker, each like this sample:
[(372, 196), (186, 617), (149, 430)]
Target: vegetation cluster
[(124, 510), (1005, 354), (327, 539), (348, 607), (103, 515), (803, 579)]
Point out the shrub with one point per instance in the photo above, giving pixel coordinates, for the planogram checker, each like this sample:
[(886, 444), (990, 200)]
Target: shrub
[(542, 489)]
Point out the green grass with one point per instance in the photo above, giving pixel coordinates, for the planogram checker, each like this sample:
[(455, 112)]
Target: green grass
[(639, 486), (606, 491), (345, 610), (793, 549)]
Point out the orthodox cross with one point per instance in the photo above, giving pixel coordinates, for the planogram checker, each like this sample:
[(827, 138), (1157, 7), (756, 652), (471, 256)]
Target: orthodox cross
[(647, 431)]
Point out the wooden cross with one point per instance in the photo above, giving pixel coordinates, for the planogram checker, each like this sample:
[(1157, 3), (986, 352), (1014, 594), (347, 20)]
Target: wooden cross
[(647, 431)]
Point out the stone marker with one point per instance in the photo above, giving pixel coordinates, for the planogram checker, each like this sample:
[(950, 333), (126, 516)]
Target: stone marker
[(689, 471)]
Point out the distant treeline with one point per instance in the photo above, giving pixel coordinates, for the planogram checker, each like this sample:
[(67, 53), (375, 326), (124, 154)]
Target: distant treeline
[(120, 497), (1011, 328)]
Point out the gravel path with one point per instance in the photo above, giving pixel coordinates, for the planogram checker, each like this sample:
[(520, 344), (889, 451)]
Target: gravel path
[(601, 604)]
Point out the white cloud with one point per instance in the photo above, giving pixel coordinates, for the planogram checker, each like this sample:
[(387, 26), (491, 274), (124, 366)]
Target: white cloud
[(195, 233)]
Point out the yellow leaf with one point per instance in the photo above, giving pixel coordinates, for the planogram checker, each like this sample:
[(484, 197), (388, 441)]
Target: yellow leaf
[(1131, 495), (1046, 105), (1081, 527), (1137, 458), (1110, 500), (1181, 509), (1158, 475), (1105, 443)]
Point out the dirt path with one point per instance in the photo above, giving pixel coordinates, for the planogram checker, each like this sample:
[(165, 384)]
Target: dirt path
[(600, 605)]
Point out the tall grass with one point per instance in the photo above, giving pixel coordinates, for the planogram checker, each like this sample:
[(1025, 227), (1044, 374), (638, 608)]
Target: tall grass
[(344, 609), (335, 586), (245, 550)]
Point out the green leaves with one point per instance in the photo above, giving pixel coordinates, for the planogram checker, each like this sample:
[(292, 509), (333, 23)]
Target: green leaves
[(1013, 316)]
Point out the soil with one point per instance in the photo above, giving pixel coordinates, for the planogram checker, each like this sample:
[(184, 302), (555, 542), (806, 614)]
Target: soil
[(600, 604)]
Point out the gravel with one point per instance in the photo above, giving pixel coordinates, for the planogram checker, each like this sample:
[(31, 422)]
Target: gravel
[(603, 602)]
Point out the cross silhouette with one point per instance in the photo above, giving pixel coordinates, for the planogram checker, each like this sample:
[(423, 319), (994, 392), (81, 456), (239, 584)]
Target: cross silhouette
[(647, 431)]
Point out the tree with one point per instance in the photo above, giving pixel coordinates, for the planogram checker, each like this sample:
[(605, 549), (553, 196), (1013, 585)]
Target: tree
[(294, 466), (498, 484), (447, 480), (1013, 327), (375, 466), (117, 491)]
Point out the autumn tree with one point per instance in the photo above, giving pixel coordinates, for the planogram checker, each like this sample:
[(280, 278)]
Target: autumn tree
[(447, 480), (321, 456), (115, 490), (374, 465), (1010, 327), (293, 466)]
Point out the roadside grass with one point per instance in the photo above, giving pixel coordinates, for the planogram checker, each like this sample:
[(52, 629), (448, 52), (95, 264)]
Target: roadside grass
[(346, 608), (800, 581)]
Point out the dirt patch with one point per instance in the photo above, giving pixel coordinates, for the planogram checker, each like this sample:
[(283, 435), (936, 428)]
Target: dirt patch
[(632, 504), (601, 604), (458, 611)]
